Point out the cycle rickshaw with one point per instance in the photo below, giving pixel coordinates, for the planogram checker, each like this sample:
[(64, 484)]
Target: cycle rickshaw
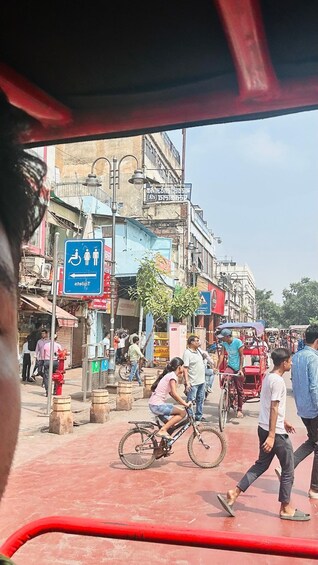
[(255, 363)]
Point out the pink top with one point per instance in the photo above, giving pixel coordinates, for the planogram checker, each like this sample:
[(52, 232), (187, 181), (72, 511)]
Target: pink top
[(47, 349), (39, 348), (163, 389)]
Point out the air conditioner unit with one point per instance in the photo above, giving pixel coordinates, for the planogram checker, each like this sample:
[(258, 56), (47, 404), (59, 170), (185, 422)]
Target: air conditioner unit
[(33, 264), (46, 270)]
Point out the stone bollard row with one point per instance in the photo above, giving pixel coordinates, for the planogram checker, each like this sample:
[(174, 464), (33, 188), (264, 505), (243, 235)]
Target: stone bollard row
[(124, 399), (99, 412), (148, 382), (61, 417)]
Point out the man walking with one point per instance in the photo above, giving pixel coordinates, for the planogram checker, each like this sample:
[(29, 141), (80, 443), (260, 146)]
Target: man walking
[(134, 356), (46, 364), (39, 353), (305, 388), (273, 440), (234, 349), (194, 375)]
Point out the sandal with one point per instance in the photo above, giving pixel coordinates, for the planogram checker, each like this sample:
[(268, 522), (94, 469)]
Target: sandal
[(227, 507), (165, 435), (298, 516)]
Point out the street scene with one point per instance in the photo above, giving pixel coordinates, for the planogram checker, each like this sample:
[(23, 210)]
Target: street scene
[(81, 474), (159, 283)]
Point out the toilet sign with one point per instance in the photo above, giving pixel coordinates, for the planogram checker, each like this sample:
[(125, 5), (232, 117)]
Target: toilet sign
[(84, 267)]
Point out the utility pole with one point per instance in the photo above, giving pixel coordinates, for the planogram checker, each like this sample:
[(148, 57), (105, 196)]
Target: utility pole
[(184, 131), (55, 269)]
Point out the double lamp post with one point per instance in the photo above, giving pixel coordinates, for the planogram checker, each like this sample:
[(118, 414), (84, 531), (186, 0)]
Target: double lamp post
[(92, 182)]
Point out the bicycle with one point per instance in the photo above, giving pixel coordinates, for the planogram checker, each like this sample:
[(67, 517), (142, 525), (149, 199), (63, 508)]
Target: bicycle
[(139, 448), (228, 398), (125, 367)]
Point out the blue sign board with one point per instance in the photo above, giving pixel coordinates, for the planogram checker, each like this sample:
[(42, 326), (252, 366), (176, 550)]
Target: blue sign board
[(205, 306), (84, 267), (104, 365)]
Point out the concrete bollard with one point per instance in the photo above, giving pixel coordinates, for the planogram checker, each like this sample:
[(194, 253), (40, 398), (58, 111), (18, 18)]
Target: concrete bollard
[(124, 397), (99, 413), (148, 382), (61, 417)]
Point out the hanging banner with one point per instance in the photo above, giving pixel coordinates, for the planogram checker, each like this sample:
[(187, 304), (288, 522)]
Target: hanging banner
[(217, 299)]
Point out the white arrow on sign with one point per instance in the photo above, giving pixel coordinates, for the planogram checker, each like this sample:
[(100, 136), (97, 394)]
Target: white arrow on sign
[(76, 276)]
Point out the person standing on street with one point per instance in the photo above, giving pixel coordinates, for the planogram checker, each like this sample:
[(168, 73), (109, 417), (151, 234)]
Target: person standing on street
[(235, 359), (33, 338), (134, 356), (194, 375), (46, 364), (305, 388), (273, 440), (26, 364), (39, 353)]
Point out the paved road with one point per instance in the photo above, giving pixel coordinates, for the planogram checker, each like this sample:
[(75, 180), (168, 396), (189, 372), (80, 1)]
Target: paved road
[(81, 475)]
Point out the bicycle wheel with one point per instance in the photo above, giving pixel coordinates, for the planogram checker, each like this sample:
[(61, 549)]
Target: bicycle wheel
[(124, 372), (207, 448), (136, 449), (223, 408)]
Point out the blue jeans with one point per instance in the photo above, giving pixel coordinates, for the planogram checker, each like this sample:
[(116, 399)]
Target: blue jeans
[(197, 393), (134, 371), (209, 378)]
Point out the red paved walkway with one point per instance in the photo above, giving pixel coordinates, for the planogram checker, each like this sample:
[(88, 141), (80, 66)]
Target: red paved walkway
[(84, 477)]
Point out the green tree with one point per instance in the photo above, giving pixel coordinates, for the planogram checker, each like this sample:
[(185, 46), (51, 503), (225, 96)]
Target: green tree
[(300, 302), (267, 309), (150, 290), (185, 302), (157, 299)]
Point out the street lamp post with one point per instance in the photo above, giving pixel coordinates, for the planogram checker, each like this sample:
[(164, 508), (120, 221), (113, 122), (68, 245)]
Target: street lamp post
[(194, 269), (92, 182)]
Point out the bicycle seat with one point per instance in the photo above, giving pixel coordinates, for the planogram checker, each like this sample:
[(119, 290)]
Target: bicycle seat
[(162, 419)]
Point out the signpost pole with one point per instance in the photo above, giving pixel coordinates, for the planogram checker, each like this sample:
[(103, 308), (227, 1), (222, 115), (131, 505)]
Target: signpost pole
[(111, 368), (55, 269)]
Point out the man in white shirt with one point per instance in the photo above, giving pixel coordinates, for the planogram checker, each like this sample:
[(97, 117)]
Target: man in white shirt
[(194, 375), (273, 440), (26, 363)]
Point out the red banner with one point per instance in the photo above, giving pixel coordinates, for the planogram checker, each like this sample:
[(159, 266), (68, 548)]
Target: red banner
[(217, 299)]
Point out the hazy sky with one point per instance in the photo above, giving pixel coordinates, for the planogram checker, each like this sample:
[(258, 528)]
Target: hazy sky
[(257, 183)]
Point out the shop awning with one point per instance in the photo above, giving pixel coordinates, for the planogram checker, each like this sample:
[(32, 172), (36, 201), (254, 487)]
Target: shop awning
[(41, 304)]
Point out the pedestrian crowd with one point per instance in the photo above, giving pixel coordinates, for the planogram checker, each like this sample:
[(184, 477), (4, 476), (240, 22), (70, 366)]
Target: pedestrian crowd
[(35, 356), (197, 370)]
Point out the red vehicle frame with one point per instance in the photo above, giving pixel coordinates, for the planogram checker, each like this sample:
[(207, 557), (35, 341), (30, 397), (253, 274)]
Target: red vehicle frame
[(255, 354)]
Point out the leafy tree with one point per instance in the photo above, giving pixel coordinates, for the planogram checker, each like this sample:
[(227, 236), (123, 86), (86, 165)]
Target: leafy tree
[(150, 290), (157, 299), (300, 302), (185, 302), (267, 309)]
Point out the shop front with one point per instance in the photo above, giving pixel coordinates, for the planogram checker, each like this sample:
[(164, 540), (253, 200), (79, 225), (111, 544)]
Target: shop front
[(36, 311)]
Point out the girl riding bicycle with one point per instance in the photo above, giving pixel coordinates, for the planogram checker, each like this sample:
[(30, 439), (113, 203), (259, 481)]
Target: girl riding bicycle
[(166, 384)]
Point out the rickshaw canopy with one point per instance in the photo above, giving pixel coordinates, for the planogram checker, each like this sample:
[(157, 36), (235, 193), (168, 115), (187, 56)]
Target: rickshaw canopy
[(257, 326), (103, 70)]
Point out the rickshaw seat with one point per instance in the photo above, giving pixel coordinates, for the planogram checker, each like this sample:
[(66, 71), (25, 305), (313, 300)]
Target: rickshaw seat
[(252, 371)]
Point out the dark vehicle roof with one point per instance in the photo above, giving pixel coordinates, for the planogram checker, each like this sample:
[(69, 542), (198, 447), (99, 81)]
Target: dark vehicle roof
[(257, 326), (88, 70)]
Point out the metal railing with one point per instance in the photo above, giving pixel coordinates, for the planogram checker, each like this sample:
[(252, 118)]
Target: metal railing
[(211, 539)]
